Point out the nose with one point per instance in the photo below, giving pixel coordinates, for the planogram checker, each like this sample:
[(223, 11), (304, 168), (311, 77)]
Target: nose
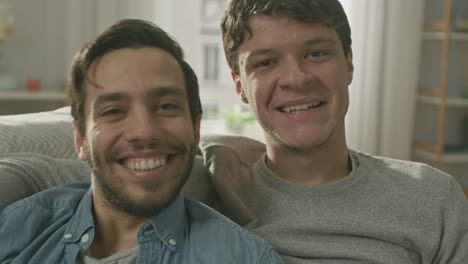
[(141, 125), (293, 73)]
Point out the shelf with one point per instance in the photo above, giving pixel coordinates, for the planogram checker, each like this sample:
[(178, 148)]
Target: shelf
[(429, 91), (438, 35), (33, 96), (437, 25), (451, 102), (447, 158)]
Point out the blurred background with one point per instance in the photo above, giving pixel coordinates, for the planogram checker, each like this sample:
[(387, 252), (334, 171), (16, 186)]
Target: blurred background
[(409, 96)]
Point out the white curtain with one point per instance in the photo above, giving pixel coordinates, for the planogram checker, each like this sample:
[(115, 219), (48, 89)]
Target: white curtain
[(386, 44)]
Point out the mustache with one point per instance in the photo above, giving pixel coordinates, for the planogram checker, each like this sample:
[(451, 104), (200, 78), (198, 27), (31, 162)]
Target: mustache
[(172, 146)]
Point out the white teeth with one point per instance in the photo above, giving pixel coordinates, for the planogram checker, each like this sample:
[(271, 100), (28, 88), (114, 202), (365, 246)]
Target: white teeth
[(152, 163), (298, 108), (145, 164)]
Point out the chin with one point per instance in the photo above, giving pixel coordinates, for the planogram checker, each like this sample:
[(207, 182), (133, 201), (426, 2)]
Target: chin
[(298, 143), (139, 200), (148, 205)]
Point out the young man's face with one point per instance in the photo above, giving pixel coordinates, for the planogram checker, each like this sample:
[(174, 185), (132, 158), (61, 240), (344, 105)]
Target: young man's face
[(140, 139), (295, 76)]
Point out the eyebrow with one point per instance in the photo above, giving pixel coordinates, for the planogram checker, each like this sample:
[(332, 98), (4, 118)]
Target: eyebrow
[(166, 91), (111, 97), (309, 42), (153, 93), (320, 41)]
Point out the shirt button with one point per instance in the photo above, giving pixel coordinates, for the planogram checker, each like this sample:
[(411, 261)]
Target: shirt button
[(85, 238), (67, 236), (172, 242)]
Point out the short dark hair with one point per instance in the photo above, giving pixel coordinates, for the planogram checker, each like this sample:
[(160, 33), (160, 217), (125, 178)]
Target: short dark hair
[(127, 33), (235, 22)]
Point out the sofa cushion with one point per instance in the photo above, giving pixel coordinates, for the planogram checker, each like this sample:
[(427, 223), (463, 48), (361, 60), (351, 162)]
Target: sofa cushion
[(23, 174), (48, 133)]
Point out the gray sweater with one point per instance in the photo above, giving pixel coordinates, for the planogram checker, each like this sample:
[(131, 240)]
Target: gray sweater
[(385, 211)]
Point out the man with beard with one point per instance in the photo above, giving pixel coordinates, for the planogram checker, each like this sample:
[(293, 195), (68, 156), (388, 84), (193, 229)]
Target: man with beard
[(136, 111)]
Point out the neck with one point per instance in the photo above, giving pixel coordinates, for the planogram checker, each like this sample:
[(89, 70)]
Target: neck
[(316, 165), (116, 231)]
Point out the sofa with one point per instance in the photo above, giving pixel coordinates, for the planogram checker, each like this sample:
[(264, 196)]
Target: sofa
[(37, 152)]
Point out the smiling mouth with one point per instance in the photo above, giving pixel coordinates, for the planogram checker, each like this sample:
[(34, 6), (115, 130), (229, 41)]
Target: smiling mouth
[(300, 107), (145, 164)]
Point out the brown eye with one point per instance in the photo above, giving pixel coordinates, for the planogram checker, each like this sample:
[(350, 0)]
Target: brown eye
[(317, 54), (112, 111), (264, 63), (169, 107)]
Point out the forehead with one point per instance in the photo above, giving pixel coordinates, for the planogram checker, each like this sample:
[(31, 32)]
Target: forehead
[(134, 72), (279, 30), (144, 61)]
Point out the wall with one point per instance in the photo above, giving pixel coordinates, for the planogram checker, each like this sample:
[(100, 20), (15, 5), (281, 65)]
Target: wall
[(35, 49), (47, 33)]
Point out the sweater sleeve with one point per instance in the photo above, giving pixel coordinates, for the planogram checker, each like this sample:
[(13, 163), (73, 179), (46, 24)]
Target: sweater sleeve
[(453, 248)]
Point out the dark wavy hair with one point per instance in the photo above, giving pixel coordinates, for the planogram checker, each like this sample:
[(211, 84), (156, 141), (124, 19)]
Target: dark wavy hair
[(235, 22)]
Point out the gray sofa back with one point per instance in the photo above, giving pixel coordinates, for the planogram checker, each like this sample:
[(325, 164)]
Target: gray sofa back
[(37, 152)]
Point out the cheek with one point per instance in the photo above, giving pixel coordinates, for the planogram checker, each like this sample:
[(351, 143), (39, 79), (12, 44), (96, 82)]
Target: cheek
[(336, 78), (340, 85), (181, 128), (100, 138), (258, 91), (345, 100)]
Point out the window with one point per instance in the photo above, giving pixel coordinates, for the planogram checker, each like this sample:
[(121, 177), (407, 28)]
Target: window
[(211, 62), (211, 10)]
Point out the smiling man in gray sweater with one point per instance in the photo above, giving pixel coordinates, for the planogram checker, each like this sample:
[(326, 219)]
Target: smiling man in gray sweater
[(305, 191)]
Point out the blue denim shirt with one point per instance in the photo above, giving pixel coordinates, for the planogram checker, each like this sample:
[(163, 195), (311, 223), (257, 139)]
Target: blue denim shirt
[(56, 225)]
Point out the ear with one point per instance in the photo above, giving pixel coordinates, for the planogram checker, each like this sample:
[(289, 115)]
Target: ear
[(349, 63), (81, 143), (239, 89)]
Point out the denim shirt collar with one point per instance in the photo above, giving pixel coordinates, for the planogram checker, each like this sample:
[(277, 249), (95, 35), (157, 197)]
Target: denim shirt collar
[(81, 222), (170, 225)]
